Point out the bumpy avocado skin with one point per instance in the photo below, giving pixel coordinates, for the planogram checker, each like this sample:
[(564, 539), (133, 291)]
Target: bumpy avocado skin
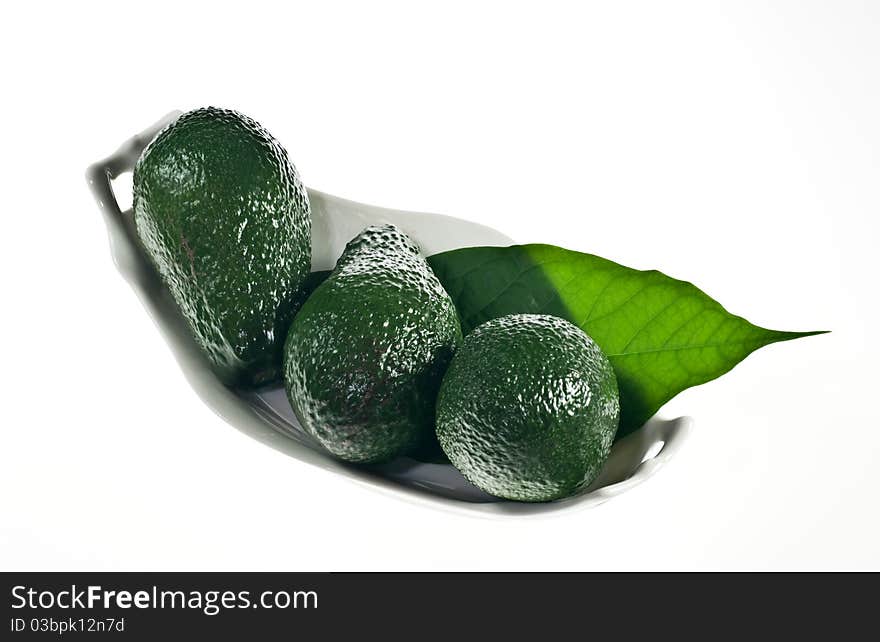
[(223, 215), (528, 408), (366, 353)]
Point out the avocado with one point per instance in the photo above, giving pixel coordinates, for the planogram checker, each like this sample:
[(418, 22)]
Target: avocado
[(528, 408), (224, 217), (366, 353)]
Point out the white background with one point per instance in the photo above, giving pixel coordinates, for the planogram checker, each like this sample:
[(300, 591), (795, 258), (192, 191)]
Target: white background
[(736, 145)]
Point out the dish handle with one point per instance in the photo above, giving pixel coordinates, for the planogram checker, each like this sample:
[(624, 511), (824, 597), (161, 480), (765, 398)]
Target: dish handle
[(100, 175), (124, 243)]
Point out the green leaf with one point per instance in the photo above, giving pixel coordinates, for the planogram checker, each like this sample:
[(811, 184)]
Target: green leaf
[(662, 335)]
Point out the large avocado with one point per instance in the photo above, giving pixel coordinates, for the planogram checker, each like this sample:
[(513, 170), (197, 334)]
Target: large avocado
[(223, 215), (366, 353), (528, 408)]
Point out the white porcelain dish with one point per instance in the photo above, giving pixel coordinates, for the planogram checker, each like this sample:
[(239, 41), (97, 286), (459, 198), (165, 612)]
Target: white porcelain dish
[(266, 415)]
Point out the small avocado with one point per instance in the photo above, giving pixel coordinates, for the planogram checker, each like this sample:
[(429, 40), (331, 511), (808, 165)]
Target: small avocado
[(528, 408), (366, 353), (224, 217)]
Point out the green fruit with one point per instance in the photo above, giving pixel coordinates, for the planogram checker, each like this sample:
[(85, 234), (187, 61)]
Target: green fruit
[(366, 353), (224, 217), (528, 408)]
